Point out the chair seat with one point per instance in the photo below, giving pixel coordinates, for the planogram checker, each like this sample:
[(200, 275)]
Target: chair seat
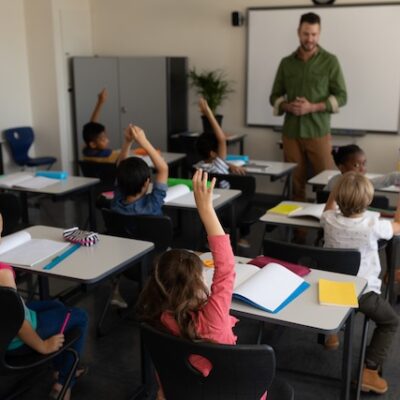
[(34, 162), (280, 390)]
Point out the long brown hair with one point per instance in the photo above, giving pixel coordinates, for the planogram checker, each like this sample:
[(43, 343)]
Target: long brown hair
[(175, 285)]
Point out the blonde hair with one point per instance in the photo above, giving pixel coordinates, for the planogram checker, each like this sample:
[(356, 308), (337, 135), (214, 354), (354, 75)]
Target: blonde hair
[(353, 193)]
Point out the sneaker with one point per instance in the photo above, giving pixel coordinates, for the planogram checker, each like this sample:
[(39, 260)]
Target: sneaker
[(331, 342), (244, 243), (118, 301), (372, 382)]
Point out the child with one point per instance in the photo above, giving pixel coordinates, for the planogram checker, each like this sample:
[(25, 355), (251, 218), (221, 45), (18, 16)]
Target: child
[(355, 228), (95, 136), (40, 331), (212, 148), (176, 297), (352, 158), (133, 179)]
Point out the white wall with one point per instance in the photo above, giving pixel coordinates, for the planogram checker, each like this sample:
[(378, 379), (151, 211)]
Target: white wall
[(14, 80), (202, 31)]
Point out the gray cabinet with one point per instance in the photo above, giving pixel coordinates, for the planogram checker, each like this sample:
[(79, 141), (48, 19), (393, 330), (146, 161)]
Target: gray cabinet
[(147, 91)]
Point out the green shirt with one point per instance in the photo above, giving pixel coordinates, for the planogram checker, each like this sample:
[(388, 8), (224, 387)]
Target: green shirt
[(319, 79)]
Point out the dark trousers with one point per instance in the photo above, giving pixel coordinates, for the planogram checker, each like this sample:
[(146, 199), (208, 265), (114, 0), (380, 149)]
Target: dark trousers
[(386, 319)]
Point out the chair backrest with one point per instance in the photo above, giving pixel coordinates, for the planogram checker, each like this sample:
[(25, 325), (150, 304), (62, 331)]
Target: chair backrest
[(10, 209), (241, 372), (377, 201), (20, 140), (153, 228), (106, 172), (344, 261), (245, 183), (11, 316)]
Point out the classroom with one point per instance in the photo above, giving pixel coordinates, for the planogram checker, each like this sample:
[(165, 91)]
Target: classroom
[(40, 38)]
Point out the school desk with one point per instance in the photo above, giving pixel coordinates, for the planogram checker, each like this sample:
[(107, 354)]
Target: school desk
[(305, 313), (61, 188), (226, 199), (174, 161), (320, 180)]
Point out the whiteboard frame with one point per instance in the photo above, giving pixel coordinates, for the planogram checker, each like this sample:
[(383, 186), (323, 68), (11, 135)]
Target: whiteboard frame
[(352, 132)]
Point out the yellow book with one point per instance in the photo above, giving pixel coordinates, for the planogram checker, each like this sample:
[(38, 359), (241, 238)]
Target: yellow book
[(284, 209), (334, 293)]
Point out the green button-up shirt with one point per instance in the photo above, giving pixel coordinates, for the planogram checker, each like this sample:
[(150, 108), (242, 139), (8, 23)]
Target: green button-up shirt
[(319, 79)]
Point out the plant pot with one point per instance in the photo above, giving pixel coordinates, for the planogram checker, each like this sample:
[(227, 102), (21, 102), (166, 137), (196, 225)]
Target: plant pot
[(206, 124)]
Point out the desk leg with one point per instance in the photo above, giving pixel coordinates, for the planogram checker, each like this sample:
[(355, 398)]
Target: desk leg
[(92, 211), (23, 196), (241, 148), (44, 288), (392, 259), (347, 357)]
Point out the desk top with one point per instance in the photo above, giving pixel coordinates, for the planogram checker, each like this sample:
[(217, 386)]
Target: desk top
[(305, 312), (225, 196), (276, 219), (323, 177), (90, 264), (169, 158), (269, 168), (60, 187)]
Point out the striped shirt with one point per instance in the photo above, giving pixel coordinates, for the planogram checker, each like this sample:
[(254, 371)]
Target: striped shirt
[(217, 166)]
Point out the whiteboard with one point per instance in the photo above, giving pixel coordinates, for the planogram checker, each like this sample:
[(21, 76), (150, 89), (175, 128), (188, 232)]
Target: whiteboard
[(365, 38)]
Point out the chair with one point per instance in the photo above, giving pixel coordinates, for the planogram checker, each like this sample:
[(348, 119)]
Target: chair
[(10, 209), (247, 214), (377, 202), (20, 140), (344, 261), (106, 172), (239, 372), (152, 228), (12, 317)]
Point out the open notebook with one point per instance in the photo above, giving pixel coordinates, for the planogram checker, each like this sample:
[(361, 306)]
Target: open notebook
[(269, 289), (291, 209), (20, 249), (181, 194), (26, 181)]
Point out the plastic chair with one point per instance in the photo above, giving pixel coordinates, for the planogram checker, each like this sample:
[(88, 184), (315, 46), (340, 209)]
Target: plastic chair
[(241, 372), (12, 316), (20, 140), (343, 261), (106, 172), (152, 228)]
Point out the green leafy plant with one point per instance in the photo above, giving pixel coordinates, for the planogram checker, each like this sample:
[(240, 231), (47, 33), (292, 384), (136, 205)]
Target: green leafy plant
[(212, 85)]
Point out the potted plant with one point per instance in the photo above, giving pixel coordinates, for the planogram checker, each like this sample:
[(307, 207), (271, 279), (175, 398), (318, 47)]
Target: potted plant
[(214, 87)]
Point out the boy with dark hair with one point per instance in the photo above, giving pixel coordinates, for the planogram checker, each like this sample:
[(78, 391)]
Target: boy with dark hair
[(95, 136)]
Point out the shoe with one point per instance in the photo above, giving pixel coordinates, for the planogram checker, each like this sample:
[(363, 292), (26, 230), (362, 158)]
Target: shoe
[(244, 243), (118, 301), (331, 342), (372, 382)]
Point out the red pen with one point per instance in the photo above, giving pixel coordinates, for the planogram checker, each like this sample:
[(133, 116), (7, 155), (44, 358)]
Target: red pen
[(64, 325)]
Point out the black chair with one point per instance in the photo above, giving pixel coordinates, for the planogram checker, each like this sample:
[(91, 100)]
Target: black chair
[(242, 372), (343, 261), (10, 209), (377, 202), (246, 212), (106, 172), (152, 228), (12, 316)]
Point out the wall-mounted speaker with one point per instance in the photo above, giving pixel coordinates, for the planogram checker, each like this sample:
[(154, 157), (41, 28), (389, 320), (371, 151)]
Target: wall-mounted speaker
[(237, 18)]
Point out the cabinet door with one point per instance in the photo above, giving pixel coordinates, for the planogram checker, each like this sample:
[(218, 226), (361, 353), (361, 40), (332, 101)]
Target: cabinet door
[(143, 96), (90, 76)]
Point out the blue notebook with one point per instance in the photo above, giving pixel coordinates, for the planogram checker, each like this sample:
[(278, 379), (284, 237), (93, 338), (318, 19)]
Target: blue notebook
[(271, 288)]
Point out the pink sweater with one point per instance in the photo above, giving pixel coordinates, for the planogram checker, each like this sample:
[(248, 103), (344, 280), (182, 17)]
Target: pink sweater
[(214, 322)]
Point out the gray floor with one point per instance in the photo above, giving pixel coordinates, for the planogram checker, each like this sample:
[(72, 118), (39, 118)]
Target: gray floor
[(114, 359)]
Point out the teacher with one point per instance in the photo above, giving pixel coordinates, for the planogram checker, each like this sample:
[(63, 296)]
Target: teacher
[(308, 87)]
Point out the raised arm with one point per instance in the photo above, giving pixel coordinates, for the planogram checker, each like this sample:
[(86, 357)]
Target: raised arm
[(331, 203), (159, 163), (218, 132), (203, 197), (101, 99), (126, 146)]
